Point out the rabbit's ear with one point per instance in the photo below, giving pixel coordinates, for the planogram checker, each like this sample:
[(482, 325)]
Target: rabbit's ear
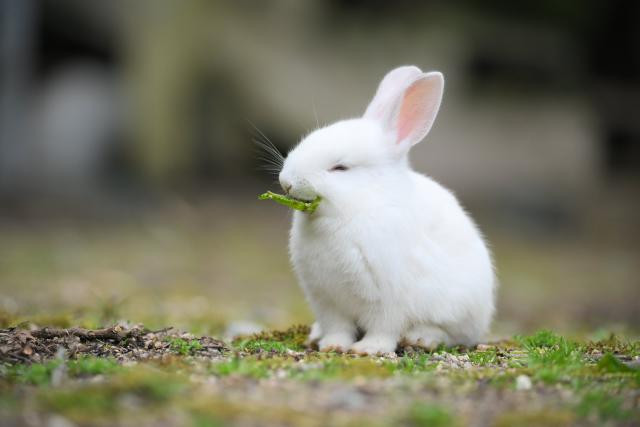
[(391, 86), (418, 108), (407, 103)]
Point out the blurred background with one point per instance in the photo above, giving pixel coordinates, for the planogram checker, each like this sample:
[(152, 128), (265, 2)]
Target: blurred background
[(128, 175)]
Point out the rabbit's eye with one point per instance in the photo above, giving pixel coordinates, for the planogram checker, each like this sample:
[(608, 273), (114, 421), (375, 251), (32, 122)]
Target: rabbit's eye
[(338, 168)]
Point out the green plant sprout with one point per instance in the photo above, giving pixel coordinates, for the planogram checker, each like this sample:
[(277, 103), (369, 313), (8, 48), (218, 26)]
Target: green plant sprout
[(290, 202)]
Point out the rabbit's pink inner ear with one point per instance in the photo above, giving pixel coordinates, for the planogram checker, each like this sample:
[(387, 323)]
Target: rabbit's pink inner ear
[(419, 107), (389, 90)]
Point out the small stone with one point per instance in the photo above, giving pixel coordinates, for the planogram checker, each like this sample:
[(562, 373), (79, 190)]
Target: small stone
[(523, 382), (484, 347), (96, 379), (59, 421), (58, 375)]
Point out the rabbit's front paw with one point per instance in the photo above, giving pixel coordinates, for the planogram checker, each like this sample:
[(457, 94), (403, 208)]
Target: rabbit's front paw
[(379, 344), (339, 342), (314, 335)]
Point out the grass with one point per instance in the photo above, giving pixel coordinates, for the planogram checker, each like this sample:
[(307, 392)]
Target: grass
[(41, 374), (553, 358), (484, 357), (550, 359), (546, 418), (183, 346), (199, 268), (242, 367), (292, 338), (412, 364), (37, 374), (259, 345), (603, 405), (144, 385), (576, 382), (90, 366), (312, 368), (428, 415)]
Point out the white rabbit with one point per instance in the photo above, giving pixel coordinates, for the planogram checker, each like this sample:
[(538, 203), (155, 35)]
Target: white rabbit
[(389, 254)]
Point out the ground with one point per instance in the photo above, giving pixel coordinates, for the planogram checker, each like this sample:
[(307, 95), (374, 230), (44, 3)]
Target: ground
[(181, 283), (128, 375)]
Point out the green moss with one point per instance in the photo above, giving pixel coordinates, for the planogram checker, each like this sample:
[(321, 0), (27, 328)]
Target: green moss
[(184, 347), (8, 402), (293, 338), (314, 368), (200, 419), (610, 364), (348, 368), (219, 410), (550, 418), (429, 415), (604, 405), (411, 364), (246, 367), (318, 367), (150, 383), (89, 366), (81, 402), (40, 374), (601, 384), (258, 346), (36, 374)]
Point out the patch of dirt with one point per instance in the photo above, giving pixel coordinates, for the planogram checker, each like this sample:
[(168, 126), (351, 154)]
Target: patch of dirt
[(122, 342)]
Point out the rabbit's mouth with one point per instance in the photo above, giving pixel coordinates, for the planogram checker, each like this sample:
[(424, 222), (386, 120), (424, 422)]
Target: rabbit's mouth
[(296, 204), (303, 200), (304, 196), (303, 192)]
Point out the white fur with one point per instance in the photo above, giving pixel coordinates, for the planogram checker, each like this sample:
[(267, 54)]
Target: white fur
[(389, 253)]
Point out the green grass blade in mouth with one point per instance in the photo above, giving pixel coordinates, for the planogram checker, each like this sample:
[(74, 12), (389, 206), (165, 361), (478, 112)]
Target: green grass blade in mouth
[(290, 202)]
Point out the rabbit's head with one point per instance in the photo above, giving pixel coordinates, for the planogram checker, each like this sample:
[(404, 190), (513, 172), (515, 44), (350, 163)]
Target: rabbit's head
[(335, 161)]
